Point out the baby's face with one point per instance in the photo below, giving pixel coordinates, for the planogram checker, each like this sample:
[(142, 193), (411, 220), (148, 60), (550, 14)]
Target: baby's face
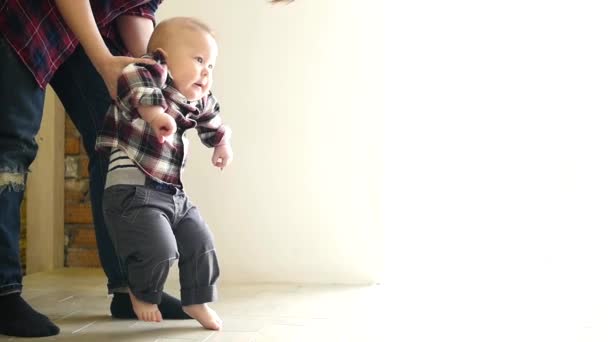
[(191, 63)]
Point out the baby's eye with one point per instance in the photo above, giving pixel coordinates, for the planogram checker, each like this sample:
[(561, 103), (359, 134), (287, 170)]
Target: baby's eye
[(199, 59), (210, 66)]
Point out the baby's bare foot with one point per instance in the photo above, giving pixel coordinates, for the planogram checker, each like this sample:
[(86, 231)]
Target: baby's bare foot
[(204, 315), (145, 311)]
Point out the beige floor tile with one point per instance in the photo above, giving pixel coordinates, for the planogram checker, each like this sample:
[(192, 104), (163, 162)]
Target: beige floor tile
[(242, 324), (224, 336), (76, 300)]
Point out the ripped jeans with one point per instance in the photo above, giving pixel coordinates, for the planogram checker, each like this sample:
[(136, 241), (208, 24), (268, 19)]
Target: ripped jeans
[(86, 100)]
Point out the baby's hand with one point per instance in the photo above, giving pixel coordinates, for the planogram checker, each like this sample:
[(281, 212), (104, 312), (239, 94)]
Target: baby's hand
[(164, 127), (222, 156)]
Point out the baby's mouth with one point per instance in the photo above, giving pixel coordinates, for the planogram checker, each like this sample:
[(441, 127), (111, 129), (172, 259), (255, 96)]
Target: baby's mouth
[(202, 84)]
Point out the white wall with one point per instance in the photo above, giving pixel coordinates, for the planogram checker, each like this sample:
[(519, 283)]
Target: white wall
[(300, 85), (504, 177)]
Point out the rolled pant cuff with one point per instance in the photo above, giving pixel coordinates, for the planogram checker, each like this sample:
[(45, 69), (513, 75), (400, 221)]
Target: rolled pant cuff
[(152, 298), (10, 289), (199, 295), (119, 289)]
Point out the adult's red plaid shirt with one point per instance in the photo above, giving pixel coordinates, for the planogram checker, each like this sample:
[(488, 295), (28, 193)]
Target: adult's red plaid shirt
[(37, 33)]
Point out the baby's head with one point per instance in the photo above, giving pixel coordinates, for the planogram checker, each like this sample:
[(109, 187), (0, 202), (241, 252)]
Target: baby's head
[(190, 51)]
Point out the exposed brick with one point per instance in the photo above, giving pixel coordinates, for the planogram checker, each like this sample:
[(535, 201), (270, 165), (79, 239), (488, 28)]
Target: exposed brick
[(23, 213), (71, 166), (83, 166), (83, 238), (80, 244), (72, 145), (78, 213), (70, 129), (82, 257), (76, 190), (23, 235)]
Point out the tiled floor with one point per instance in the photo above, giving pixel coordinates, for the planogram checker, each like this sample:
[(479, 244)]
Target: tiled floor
[(75, 300)]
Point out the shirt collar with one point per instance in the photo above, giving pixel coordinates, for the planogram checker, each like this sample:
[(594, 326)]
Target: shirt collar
[(172, 94)]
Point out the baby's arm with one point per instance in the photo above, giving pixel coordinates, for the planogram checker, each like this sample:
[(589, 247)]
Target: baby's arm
[(222, 155), (162, 123), (140, 96), (213, 133)]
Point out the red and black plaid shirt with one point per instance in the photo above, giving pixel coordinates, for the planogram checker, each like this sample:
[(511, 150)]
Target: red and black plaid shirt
[(151, 85), (38, 34)]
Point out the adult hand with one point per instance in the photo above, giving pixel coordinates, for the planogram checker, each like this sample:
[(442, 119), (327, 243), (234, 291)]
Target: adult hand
[(111, 68)]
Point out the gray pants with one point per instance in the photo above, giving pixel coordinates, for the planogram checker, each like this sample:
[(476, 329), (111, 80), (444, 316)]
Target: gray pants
[(152, 228)]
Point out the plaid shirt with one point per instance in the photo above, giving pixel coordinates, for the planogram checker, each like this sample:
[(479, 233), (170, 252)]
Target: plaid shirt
[(37, 33), (151, 85)]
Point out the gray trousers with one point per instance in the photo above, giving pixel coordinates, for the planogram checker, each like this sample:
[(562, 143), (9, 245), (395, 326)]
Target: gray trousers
[(151, 229)]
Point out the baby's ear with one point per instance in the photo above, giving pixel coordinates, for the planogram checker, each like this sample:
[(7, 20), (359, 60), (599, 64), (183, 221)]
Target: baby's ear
[(159, 52), (162, 52)]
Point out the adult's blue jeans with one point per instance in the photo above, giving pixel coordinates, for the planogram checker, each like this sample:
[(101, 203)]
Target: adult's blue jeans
[(86, 100)]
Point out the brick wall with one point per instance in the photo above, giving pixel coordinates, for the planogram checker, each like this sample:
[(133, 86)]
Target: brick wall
[(80, 248), (22, 238)]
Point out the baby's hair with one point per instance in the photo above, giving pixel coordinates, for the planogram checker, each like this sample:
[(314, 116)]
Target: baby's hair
[(166, 29)]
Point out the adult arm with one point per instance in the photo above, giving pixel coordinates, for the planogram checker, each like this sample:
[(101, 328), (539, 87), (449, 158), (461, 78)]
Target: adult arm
[(79, 18), (135, 32)]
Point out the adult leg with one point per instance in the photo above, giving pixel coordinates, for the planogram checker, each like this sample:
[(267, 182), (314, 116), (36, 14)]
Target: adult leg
[(21, 112), (86, 99)]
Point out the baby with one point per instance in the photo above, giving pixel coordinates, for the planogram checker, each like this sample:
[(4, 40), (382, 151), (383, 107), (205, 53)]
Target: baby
[(151, 220)]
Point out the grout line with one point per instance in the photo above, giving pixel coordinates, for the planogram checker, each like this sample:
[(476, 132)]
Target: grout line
[(290, 324), (86, 326), (208, 337), (66, 298), (68, 315)]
